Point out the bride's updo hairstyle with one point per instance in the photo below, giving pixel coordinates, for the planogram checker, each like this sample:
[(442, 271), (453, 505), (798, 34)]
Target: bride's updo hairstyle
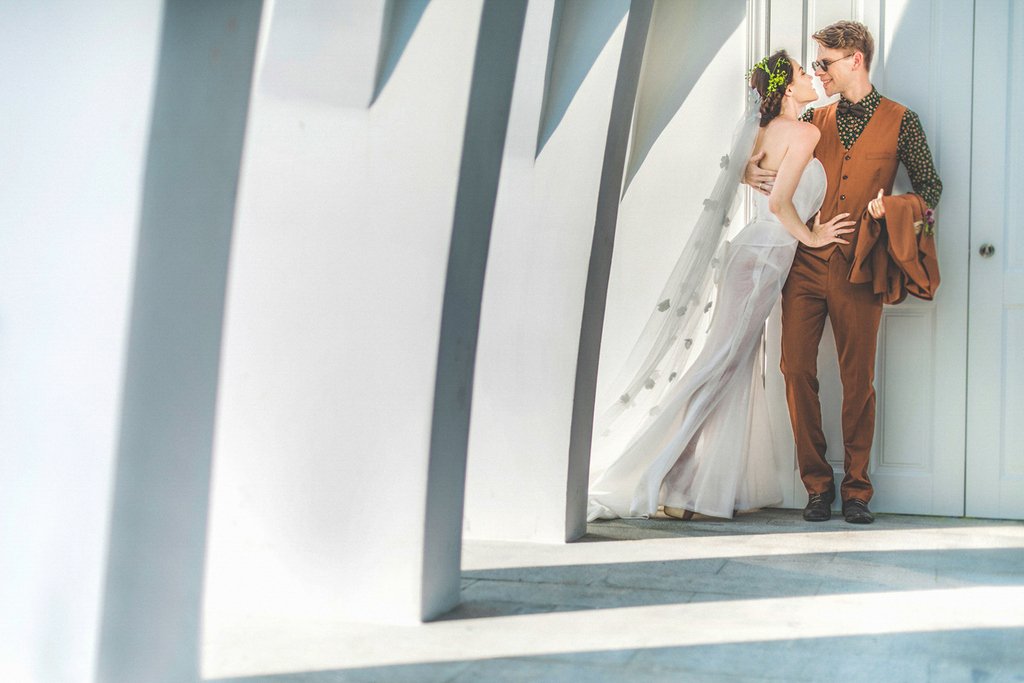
[(769, 78)]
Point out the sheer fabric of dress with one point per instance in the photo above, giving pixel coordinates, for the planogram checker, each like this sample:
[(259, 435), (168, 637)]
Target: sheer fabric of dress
[(691, 427)]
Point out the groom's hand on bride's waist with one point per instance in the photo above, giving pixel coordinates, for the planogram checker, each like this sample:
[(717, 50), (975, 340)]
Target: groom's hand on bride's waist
[(758, 178)]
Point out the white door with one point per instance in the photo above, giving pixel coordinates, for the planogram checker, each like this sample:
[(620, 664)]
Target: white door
[(922, 57), (995, 413)]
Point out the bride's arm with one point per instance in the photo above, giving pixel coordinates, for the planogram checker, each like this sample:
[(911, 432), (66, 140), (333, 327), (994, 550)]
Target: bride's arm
[(780, 202)]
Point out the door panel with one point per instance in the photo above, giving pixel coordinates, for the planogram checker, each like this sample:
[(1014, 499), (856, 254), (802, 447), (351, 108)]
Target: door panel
[(995, 415)]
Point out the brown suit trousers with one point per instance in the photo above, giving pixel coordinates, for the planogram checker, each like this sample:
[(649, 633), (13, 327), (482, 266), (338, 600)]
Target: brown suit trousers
[(817, 289)]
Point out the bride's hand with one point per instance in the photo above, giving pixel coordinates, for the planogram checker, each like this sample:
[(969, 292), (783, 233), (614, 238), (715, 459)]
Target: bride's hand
[(757, 177), (826, 233)]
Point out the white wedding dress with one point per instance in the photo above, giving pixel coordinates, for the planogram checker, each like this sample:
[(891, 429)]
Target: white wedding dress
[(704, 442)]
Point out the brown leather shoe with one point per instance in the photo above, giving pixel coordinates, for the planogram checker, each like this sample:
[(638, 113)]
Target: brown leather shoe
[(856, 511), (819, 506)]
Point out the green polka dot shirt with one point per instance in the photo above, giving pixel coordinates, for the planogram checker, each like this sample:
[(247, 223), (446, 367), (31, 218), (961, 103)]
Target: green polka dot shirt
[(911, 147)]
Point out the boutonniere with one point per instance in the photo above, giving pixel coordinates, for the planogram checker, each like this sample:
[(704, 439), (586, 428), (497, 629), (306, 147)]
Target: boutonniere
[(927, 224)]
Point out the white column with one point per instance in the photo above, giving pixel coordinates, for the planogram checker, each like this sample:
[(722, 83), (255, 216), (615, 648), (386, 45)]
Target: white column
[(151, 612), (347, 358), (78, 84), (566, 149)]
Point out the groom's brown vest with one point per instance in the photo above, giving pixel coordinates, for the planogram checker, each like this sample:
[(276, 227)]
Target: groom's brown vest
[(856, 175)]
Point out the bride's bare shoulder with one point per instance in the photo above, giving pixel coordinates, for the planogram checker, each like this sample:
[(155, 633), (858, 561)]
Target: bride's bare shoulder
[(786, 138), (808, 129), (794, 131), (802, 131), (800, 135)]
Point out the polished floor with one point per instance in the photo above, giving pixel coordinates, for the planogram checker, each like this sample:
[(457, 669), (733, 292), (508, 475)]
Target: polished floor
[(764, 597)]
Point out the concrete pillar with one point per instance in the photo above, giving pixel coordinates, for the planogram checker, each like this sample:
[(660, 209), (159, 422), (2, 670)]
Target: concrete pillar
[(351, 318), (152, 597), (490, 99), (543, 299)]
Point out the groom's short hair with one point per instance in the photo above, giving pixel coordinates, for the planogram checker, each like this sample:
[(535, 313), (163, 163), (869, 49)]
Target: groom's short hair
[(844, 35)]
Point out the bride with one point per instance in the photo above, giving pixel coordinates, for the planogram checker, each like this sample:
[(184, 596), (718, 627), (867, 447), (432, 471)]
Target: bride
[(690, 430)]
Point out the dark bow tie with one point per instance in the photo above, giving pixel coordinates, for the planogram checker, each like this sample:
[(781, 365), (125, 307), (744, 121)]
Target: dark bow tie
[(858, 109)]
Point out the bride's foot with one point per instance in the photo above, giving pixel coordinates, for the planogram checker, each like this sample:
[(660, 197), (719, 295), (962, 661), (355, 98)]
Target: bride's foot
[(679, 513)]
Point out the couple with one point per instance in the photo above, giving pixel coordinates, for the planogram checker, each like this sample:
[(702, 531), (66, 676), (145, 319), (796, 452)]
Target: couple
[(691, 432)]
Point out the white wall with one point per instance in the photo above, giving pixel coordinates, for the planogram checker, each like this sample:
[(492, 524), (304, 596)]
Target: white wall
[(78, 82)]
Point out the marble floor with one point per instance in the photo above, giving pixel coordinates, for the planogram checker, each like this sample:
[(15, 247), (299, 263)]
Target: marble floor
[(764, 597)]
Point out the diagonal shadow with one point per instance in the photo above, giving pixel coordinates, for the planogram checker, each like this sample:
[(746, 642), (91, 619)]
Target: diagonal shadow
[(979, 654), (685, 37), (579, 31), (401, 17), (567, 588), (975, 654)]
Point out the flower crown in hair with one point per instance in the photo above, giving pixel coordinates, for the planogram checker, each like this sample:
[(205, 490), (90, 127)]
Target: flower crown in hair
[(776, 76)]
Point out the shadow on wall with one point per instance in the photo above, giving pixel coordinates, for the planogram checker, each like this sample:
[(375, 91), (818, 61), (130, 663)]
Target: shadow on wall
[(685, 37), (401, 17), (579, 31)]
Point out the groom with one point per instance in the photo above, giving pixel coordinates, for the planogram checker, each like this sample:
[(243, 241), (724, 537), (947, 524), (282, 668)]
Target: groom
[(864, 137)]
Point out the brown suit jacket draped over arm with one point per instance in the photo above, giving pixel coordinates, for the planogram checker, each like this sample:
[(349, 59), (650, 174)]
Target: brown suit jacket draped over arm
[(897, 254)]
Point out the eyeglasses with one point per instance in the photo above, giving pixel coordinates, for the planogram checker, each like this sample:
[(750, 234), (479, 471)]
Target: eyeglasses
[(824, 64)]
